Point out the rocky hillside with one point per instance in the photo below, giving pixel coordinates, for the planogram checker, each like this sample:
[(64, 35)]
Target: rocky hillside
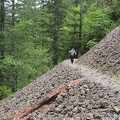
[(71, 91), (67, 92), (105, 56)]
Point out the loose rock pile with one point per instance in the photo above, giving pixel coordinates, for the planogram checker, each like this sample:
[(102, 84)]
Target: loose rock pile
[(105, 56), (29, 95), (86, 100)]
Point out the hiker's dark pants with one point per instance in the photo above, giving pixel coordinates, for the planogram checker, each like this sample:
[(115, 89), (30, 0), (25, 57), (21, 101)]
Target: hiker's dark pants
[(72, 58)]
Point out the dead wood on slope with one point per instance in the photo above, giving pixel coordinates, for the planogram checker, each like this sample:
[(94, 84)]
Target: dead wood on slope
[(45, 101)]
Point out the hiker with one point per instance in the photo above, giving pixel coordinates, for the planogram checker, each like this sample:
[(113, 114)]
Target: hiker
[(72, 53)]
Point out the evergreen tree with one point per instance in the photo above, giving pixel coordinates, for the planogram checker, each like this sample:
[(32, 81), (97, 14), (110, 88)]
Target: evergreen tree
[(24, 53), (57, 10)]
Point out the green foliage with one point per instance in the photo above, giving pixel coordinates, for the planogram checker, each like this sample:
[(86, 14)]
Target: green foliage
[(96, 25), (44, 32), (70, 32), (118, 76), (113, 10), (91, 43), (25, 58), (4, 92)]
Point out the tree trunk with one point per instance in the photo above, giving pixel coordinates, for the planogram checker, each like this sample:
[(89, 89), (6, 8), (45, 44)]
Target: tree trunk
[(103, 19), (55, 36), (13, 12), (1, 36), (80, 30)]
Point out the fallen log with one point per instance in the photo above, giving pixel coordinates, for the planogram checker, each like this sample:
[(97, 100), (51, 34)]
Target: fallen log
[(46, 100)]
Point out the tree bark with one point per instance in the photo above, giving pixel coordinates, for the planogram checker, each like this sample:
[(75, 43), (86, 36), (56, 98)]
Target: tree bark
[(55, 35), (80, 30), (13, 12), (1, 36)]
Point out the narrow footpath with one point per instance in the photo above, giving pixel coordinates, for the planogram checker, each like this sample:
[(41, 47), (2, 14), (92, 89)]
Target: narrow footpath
[(96, 76)]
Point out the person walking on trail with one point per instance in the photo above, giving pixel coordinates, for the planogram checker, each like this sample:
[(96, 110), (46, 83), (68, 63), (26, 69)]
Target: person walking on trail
[(72, 53)]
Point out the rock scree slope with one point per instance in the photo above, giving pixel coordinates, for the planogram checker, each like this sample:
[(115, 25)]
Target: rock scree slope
[(72, 91), (105, 56)]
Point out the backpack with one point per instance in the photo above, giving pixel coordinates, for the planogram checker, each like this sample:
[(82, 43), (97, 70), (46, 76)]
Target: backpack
[(72, 53)]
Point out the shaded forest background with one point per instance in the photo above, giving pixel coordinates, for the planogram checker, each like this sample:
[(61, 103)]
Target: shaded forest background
[(35, 35)]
